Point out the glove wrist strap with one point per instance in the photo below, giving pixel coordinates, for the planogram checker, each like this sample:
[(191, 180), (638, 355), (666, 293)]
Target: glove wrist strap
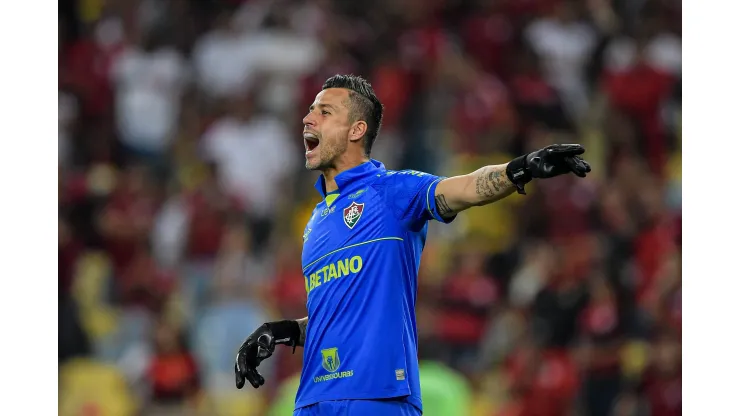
[(518, 173), (286, 332)]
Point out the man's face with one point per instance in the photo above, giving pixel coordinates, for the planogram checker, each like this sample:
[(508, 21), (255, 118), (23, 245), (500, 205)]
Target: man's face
[(326, 129)]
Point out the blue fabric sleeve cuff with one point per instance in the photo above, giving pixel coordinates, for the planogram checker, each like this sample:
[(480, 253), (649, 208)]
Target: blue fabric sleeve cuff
[(431, 203)]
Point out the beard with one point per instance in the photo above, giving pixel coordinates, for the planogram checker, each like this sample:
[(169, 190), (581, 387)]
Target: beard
[(328, 154)]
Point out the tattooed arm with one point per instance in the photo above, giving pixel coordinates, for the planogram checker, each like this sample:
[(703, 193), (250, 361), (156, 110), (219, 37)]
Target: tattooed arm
[(484, 186), (303, 325)]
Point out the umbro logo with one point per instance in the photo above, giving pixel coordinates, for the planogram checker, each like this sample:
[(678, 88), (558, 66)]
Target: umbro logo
[(356, 194)]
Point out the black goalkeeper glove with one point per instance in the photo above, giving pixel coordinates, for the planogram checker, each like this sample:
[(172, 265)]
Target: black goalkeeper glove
[(259, 346), (554, 160)]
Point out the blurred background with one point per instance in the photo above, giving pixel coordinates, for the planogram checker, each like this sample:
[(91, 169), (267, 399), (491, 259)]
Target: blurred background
[(183, 197)]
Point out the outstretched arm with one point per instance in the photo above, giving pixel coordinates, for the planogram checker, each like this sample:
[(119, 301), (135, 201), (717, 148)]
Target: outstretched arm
[(484, 186), (491, 183)]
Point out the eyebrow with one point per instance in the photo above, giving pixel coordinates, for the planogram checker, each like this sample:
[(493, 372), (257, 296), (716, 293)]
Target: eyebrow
[(321, 106)]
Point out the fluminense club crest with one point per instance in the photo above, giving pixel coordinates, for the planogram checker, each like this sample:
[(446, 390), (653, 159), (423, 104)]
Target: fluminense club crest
[(352, 214)]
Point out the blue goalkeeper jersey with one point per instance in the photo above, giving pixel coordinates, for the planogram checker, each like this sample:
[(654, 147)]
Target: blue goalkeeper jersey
[(361, 253)]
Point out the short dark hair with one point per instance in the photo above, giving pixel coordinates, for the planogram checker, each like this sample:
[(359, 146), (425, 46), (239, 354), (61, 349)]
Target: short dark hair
[(363, 104)]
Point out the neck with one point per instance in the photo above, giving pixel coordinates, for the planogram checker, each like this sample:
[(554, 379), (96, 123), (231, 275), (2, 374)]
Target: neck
[(330, 174)]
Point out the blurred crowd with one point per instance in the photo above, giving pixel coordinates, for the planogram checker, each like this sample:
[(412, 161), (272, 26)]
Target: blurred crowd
[(183, 197)]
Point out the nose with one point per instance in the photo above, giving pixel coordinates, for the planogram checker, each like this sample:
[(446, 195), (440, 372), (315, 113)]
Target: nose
[(309, 120)]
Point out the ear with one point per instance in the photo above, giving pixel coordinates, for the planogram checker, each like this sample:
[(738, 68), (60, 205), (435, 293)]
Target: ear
[(357, 130)]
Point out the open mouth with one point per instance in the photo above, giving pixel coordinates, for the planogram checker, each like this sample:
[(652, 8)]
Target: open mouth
[(310, 141)]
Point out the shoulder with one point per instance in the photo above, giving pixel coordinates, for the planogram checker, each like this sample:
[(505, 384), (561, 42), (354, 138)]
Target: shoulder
[(394, 177), (313, 212), (402, 186)]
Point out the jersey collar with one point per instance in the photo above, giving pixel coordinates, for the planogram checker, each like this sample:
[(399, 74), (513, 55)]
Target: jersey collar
[(355, 174)]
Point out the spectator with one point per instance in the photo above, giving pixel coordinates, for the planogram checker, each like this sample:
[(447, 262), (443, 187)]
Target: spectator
[(238, 274), (285, 57), (210, 211), (226, 59), (466, 299), (640, 90), (564, 44), (149, 79), (538, 102), (68, 115), (600, 329), (663, 380), (142, 283), (660, 49), (85, 65), (543, 382), (489, 36), (126, 220), (173, 371), (254, 156)]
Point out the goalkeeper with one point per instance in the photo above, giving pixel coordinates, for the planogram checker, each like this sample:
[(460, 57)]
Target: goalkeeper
[(361, 252)]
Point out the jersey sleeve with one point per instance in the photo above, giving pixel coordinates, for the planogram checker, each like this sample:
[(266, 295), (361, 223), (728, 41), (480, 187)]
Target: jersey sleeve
[(411, 195)]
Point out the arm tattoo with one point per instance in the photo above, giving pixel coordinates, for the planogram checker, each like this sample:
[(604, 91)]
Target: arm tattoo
[(492, 182), (303, 325), (442, 206)]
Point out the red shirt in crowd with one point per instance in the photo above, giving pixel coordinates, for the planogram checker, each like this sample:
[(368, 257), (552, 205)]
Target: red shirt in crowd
[(483, 103), (209, 215), (392, 85), (143, 283), (84, 66), (487, 38), (173, 376), (533, 89), (664, 395), (458, 323), (651, 248), (549, 382), (133, 215), (421, 47), (640, 92)]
